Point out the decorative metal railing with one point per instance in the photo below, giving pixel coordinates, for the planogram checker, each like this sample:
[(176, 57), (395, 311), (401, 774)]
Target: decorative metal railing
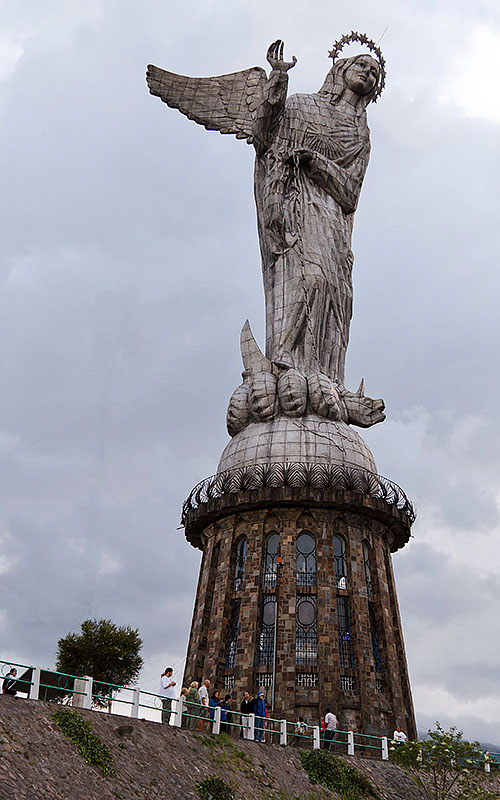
[(297, 475), (88, 693)]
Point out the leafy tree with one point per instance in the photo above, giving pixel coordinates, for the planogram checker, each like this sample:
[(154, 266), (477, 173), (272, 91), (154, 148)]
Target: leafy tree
[(444, 765), (104, 651)]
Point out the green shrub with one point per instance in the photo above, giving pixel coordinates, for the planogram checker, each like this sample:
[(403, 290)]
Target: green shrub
[(322, 767), (444, 765), (90, 747), (215, 789)]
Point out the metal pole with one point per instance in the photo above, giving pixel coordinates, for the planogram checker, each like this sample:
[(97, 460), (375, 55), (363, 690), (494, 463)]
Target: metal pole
[(279, 564), (274, 645)]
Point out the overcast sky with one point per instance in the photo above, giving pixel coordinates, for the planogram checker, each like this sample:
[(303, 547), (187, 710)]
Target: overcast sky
[(129, 262)]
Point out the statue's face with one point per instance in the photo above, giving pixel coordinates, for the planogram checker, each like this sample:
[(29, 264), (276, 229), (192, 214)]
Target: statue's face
[(362, 75)]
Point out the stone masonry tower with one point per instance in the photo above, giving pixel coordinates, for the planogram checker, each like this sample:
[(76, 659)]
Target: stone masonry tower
[(296, 593)]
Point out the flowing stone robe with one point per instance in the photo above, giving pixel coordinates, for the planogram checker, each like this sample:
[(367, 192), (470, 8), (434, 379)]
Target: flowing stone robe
[(305, 211)]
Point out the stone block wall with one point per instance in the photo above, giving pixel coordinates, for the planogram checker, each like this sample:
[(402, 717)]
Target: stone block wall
[(368, 694)]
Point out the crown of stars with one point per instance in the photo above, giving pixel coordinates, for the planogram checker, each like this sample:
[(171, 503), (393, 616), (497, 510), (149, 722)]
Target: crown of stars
[(362, 38)]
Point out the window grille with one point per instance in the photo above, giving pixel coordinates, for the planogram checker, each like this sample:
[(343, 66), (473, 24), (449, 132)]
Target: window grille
[(368, 573), (307, 680), (239, 570), (306, 559), (340, 562), (346, 659), (271, 559), (347, 683), (306, 636), (265, 650), (209, 594), (228, 682), (232, 637), (378, 685), (375, 640), (265, 680)]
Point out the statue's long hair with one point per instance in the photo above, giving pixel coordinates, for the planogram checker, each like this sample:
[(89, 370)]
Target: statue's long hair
[(334, 84)]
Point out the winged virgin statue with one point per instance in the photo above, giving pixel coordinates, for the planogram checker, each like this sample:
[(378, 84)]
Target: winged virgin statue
[(311, 155)]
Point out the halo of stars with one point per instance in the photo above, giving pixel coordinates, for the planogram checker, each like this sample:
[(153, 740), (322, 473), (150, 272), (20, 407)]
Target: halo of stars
[(362, 38)]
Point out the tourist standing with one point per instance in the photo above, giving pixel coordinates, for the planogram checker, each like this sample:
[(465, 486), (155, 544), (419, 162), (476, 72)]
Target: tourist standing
[(184, 709), (213, 703), (193, 705), (9, 682), (247, 707), (204, 703), (330, 728), (225, 715), (167, 693), (399, 736), (260, 716), (300, 731)]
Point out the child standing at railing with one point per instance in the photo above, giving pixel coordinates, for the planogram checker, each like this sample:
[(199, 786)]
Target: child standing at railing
[(184, 710), (260, 716)]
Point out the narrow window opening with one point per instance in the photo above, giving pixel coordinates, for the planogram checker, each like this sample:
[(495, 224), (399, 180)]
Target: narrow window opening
[(306, 559)]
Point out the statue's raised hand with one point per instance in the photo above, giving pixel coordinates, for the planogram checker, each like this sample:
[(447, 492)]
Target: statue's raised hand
[(275, 57)]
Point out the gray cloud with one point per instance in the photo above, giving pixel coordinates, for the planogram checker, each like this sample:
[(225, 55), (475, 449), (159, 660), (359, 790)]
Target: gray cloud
[(129, 263)]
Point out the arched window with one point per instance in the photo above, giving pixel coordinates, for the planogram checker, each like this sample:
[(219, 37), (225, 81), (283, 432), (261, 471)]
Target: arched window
[(346, 659), (209, 596), (239, 570), (306, 559), (232, 636), (368, 572), (340, 562), (306, 636), (375, 640), (265, 650), (271, 559)]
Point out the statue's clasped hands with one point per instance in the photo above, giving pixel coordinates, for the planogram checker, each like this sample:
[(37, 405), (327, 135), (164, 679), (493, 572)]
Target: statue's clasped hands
[(275, 57)]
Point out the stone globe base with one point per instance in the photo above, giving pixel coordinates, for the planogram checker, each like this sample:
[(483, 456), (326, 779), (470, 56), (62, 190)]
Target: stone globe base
[(310, 439)]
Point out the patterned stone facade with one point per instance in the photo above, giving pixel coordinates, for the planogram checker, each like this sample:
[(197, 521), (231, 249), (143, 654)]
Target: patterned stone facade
[(350, 655)]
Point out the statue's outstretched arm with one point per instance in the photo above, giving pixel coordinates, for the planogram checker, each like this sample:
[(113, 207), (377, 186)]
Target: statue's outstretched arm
[(273, 95)]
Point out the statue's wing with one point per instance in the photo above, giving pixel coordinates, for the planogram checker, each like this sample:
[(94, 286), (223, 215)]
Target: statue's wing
[(225, 103)]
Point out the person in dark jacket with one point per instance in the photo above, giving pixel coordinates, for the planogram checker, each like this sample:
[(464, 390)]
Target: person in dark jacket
[(226, 715), (9, 682), (247, 707), (260, 711)]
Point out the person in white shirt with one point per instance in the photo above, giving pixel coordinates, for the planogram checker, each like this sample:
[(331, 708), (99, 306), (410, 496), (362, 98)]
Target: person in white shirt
[(330, 728), (167, 693), (399, 735), (204, 702)]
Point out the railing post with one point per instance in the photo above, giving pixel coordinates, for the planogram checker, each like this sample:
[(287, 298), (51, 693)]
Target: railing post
[(316, 741), (34, 689), (251, 727), (487, 766), (216, 722), (350, 743), (385, 749), (136, 696), (283, 739), (176, 714), (87, 699)]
